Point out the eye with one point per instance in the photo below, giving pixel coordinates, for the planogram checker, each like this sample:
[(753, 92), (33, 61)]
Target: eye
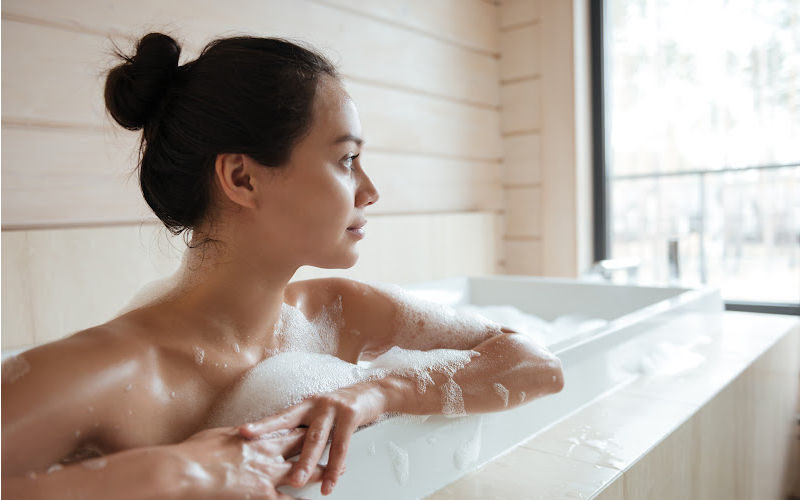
[(348, 162)]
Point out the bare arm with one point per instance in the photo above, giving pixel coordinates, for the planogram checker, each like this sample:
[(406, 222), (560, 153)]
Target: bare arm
[(66, 395), (510, 370)]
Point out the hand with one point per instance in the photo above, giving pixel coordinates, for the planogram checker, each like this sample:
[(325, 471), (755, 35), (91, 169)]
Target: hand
[(224, 465), (342, 411)]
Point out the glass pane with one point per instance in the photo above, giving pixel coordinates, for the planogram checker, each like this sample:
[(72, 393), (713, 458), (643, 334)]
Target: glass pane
[(696, 93)]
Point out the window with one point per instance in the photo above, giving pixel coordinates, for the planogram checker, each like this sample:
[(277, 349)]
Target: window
[(697, 143)]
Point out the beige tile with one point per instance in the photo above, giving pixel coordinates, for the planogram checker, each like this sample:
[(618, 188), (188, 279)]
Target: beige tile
[(519, 57), (529, 474), (523, 212), (613, 432), (520, 106), (522, 159)]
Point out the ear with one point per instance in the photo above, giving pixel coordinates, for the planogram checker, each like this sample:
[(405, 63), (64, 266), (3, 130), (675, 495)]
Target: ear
[(232, 171)]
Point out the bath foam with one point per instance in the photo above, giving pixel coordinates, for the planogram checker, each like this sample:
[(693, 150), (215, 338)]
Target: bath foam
[(452, 400), (501, 391), (426, 325), (289, 377), (283, 380), (419, 364), (295, 332), (15, 368), (399, 458), (466, 455)]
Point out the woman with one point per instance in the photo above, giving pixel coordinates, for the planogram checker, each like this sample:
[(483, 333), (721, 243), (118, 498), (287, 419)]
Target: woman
[(252, 149)]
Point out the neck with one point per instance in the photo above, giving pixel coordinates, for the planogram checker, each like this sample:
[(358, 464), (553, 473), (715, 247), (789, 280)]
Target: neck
[(232, 297)]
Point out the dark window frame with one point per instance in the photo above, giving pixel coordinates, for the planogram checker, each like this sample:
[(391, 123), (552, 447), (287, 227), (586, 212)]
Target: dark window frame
[(600, 192)]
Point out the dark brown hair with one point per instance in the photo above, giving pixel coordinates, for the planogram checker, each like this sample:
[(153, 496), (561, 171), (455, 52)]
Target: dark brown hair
[(243, 94)]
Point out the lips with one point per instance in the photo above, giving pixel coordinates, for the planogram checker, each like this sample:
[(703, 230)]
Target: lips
[(358, 225)]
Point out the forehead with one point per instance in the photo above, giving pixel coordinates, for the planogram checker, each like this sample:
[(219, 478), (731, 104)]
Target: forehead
[(335, 113)]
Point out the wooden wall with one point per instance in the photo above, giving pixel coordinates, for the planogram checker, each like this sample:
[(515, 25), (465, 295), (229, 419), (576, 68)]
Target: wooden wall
[(77, 238), (472, 110)]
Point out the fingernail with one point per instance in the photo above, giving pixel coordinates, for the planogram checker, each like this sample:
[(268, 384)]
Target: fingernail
[(327, 486), (301, 476)]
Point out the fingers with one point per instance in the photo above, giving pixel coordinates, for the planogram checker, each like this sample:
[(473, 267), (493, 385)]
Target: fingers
[(342, 433), (315, 440), (290, 444), (287, 419), (284, 476)]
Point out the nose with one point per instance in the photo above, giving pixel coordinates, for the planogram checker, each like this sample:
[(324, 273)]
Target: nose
[(367, 193)]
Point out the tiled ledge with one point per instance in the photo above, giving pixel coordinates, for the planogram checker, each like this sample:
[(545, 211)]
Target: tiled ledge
[(591, 449)]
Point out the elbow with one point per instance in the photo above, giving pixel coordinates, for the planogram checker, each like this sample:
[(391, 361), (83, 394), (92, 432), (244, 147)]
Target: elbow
[(556, 376)]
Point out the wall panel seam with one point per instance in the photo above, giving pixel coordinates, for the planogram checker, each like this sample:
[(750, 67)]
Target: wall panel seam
[(520, 79), (515, 133), (517, 26), (413, 29)]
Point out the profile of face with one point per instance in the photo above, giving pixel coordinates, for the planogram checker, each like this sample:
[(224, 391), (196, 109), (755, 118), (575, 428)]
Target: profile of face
[(308, 211)]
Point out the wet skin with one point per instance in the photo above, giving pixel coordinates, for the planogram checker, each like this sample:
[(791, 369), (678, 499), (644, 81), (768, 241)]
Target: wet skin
[(134, 382)]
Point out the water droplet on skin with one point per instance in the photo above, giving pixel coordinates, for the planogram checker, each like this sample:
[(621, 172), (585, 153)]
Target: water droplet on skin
[(95, 463), (199, 355), (355, 332), (128, 388), (501, 391), (77, 433), (236, 348), (54, 468), (521, 396), (172, 394), (554, 378), (31, 475)]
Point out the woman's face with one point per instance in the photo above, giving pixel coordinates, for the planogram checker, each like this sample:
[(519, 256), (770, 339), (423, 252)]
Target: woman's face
[(309, 207)]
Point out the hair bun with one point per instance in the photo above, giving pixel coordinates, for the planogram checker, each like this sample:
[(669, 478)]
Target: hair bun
[(134, 89)]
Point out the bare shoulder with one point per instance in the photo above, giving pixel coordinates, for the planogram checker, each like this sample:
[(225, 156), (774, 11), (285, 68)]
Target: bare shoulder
[(369, 314), (61, 395)]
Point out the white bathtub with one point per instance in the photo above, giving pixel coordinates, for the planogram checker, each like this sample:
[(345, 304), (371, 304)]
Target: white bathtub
[(441, 450)]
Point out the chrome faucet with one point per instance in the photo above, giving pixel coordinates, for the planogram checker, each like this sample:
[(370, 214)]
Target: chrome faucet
[(606, 268)]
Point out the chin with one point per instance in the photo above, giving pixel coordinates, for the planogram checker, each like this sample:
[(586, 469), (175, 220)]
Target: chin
[(341, 261)]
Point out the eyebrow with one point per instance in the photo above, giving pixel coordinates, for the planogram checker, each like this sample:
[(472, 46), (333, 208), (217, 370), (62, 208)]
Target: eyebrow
[(349, 137)]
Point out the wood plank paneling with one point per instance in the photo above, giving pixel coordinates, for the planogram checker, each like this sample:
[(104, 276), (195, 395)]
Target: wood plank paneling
[(83, 276), (364, 48), (468, 24), (57, 177), (521, 106), (520, 53), (522, 159), (69, 176), (523, 212), (518, 12)]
